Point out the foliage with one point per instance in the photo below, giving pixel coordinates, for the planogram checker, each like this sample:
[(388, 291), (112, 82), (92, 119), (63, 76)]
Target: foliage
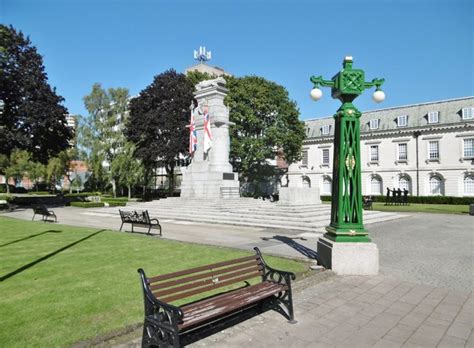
[(158, 119), (130, 169), (17, 166), (92, 278), (82, 194), (101, 135), (33, 118), (37, 173), (266, 126), (55, 171), (87, 204), (196, 76), (5, 198)]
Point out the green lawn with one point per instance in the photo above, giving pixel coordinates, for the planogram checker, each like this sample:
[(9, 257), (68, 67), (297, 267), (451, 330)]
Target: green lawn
[(61, 284), (424, 208)]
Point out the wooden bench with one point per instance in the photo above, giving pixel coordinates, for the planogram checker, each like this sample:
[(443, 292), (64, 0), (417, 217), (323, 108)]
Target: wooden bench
[(165, 323), (44, 212), (139, 218)]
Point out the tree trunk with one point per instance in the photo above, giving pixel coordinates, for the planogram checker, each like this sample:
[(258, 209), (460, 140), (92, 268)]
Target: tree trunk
[(6, 183), (170, 172), (114, 188), (129, 191)]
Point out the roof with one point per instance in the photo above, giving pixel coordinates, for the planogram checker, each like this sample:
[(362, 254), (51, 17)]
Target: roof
[(450, 112)]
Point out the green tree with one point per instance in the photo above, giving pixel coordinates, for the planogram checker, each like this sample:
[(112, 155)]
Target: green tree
[(54, 171), (17, 166), (33, 118), (158, 119), (37, 173), (266, 125), (130, 169), (101, 133)]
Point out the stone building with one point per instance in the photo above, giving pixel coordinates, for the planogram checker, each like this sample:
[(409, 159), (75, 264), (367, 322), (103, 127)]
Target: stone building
[(426, 148)]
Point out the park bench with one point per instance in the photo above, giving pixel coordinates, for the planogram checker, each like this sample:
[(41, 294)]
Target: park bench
[(139, 218), (166, 323), (44, 212)]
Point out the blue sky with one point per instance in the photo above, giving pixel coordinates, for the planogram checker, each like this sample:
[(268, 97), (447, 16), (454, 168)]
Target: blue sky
[(424, 49)]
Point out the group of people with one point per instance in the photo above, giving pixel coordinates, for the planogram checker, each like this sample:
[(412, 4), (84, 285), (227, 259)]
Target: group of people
[(396, 196)]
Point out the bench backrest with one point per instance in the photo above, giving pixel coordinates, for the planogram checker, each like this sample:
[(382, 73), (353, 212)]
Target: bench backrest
[(40, 209), (178, 285), (135, 216)]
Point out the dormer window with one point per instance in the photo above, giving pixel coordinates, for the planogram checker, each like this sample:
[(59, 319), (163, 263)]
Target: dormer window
[(374, 124), (402, 120), (325, 129), (433, 117), (468, 113)]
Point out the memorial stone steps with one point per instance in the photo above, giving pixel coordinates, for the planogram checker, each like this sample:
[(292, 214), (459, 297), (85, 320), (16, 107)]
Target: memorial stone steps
[(244, 212)]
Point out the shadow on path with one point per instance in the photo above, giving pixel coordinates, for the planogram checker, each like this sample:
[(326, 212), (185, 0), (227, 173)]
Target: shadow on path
[(32, 236), (41, 259), (309, 253)]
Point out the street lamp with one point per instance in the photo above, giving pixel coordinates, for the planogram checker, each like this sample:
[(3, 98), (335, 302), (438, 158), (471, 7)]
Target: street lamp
[(346, 207)]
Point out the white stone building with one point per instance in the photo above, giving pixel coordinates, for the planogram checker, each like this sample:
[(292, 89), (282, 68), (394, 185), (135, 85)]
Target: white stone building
[(427, 148)]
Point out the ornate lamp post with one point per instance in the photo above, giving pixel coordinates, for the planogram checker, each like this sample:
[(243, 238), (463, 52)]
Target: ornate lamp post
[(346, 208)]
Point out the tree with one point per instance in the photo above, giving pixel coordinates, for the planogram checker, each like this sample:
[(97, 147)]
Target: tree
[(101, 133), (158, 119), (33, 118), (17, 166), (36, 173), (266, 126), (129, 168), (54, 171)]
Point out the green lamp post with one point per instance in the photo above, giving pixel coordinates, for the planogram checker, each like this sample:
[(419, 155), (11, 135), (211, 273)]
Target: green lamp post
[(346, 208)]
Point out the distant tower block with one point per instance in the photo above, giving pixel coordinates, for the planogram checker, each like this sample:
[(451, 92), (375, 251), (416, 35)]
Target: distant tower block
[(203, 55), (210, 174)]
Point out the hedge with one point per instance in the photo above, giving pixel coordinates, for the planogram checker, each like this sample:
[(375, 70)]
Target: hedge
[(39, 193), (117, 204), (114, 200), (422, 199), (5, 198), (87, 204), (82, 194)]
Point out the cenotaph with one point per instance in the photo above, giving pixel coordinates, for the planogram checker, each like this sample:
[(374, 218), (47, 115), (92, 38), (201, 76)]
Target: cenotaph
[(210, 173)]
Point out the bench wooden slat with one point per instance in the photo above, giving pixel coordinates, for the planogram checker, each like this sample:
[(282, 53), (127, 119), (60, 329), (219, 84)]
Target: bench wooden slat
[(208, 288), (220, 305), (180, 281), (212, 279), (199, 269)]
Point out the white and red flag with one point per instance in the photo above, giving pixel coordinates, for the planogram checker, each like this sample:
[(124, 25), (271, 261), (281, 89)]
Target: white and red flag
[(207, 131), (192, 134)]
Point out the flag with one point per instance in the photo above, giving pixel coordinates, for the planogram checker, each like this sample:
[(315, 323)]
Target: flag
[(192, 134), (207, 131)]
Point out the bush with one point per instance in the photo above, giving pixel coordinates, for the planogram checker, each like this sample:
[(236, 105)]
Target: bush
[(422, 199), (117, 204), (115, 200), (39, 193), (7, 198), (82, 194), (87, 204)]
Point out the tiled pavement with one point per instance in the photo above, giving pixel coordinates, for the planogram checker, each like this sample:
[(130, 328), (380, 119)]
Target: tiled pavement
[(361, 312)]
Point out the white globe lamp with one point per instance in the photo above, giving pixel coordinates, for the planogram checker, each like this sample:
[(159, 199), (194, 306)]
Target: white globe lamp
[(316, 94), (378, 96)]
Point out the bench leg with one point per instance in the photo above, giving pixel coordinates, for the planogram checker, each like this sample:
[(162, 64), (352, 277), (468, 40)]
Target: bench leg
[(132, 227), (33, 217), (121, 227), (156, 336)]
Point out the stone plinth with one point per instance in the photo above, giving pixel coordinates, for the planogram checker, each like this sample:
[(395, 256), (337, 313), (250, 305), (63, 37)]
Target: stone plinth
[(348, 258), (210, 174), (299, 195)]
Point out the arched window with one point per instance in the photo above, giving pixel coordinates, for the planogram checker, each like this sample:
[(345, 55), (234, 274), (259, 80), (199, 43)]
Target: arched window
[(327, 185), (469, 185), (306, 181), (376, 185), (436, 185), (404, 182)]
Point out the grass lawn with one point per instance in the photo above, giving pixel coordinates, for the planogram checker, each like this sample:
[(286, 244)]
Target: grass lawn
[(61, 284), (423, 208)]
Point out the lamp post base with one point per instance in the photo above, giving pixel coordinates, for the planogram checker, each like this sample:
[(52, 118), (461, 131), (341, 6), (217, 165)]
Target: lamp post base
[(348, 258)]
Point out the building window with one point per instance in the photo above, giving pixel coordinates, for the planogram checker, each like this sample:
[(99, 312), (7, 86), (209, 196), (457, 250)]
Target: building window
[(433, 117), (468, 148), (402, 152), (402, 120), (404, 183), (469, 185), (375, 185), (327, 185), (306, 181), (304, 158), (374, 124), (325, 129), (436, 185), (325, 157), (433, 150), (374, 153), (467, 113)]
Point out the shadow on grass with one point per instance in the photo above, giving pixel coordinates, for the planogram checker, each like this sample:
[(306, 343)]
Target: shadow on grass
[(32, 236), (309, 253), (41, 259)]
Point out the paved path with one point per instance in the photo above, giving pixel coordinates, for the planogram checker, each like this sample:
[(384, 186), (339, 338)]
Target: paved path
[(422, 297)]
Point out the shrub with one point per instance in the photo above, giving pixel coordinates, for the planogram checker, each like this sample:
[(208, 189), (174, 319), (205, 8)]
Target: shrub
[(115, 200), (87, 204), (39, 193), (422, 199), (7, 198), (81, 194), (116, 204)]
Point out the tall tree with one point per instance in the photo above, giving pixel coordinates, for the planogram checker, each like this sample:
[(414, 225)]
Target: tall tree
[(102, 132), (130, 169), (266, 125), (33, 117), (158, 119), (17, 166)]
